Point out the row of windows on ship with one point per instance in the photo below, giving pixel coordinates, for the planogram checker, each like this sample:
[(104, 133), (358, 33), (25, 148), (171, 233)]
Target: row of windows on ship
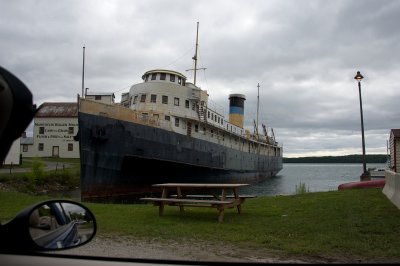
[(164, 100), (163, 76)]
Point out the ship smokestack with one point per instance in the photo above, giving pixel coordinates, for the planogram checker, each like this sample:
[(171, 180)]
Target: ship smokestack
[(236, 109)]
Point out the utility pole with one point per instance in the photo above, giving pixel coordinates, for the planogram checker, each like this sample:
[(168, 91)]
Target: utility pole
[(83, 71)]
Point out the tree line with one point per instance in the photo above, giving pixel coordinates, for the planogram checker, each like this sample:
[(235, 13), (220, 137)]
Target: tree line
[(354, 158)]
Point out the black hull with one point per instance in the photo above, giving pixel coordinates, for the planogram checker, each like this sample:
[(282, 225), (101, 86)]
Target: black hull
[(121, 160)]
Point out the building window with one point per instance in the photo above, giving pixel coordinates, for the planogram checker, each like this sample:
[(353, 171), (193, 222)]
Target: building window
[(183, 82), (153, 76), (179, 80), (187, 103), (162, 76), (135, 99), (196, 128), (97, 97), (147, 78), (177, 122), (41, 146), (167, 118), (193, 106), (172, 77), (208, 114), (156, 116), (25, 148), (143, 98), (70, 147), (70, 130), (176, 101), (153, 98), (165, 99), (41, 130)]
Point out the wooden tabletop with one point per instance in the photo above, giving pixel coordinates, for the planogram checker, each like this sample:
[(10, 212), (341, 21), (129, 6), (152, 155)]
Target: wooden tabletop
[(200, 185)]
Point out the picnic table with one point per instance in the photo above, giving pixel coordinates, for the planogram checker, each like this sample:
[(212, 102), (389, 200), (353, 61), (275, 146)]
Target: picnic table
[(220, 201)]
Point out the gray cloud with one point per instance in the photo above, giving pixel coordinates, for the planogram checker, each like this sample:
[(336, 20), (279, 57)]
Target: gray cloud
[(304, 54)]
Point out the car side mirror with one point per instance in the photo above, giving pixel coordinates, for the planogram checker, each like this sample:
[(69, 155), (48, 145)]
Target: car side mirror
[(49, 225)]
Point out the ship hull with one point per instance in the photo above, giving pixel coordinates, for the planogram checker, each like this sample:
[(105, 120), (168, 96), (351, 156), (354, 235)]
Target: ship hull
[(120, 160)]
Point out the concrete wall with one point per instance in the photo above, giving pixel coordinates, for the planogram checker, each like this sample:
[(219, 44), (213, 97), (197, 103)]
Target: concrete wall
[(392, 187)]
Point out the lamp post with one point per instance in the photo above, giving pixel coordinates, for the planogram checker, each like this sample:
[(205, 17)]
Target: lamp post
[(364, 175)]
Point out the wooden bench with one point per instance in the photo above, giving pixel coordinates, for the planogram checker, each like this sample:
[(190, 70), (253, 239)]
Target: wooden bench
[(213, 196), (220, 202)]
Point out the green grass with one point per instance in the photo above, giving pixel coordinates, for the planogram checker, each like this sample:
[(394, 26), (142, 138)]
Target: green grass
[(347, 224), (37, 178)]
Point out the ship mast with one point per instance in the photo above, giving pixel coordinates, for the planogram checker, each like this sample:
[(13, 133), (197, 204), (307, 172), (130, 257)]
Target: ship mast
[(258, 105), (195, 54)]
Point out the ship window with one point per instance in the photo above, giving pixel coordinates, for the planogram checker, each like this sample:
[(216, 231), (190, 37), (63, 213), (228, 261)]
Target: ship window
[(143, 98), (41, 130), (184, 82), (176, 101), (196, 128), (146, 78), (70, 130), (70, 147), (162, 76), (165, 99), (167, 118), (97, 97), (41, 146), (177, 122), (179, 80), (187, 103), (153, 76), (153, 98), (172, 77)]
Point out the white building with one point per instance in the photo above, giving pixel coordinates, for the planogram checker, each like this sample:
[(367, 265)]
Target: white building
[(13, 156), (103, 97), (55, 125)]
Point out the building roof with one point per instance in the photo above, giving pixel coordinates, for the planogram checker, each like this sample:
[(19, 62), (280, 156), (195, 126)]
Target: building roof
[(58, 109), (27, 140), (395, 133), (100, 94)]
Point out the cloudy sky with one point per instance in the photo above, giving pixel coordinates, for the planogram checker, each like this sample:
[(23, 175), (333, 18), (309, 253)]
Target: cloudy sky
[(303, 53)]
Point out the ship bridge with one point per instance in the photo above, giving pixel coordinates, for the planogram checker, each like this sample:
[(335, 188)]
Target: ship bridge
[(164, 75)]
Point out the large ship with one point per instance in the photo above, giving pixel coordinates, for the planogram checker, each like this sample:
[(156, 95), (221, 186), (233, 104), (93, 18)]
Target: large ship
[(166, 130)]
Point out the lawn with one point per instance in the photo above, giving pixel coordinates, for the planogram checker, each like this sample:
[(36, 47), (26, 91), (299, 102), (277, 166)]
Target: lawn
[(350, 223)]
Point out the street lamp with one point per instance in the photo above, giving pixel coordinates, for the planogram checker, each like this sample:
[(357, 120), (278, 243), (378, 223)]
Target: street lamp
[(364, 175)]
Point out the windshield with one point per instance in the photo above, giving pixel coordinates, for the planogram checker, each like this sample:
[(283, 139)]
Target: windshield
[(208, 130)]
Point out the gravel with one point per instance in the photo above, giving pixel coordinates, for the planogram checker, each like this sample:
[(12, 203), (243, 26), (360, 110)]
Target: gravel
[(126, 247)]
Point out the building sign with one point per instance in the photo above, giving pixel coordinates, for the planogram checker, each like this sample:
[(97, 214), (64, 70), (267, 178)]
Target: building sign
[(56, 131)]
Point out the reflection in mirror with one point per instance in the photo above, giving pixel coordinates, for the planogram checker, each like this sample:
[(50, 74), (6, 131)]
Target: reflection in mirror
[(58, 225)]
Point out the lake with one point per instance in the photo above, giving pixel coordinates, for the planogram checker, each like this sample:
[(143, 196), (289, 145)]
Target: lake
[(316, 177)]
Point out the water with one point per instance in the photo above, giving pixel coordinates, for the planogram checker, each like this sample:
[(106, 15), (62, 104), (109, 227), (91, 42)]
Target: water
[(316, 177)]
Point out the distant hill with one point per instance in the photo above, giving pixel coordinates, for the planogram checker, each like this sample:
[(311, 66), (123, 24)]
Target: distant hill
[(355, 158)]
